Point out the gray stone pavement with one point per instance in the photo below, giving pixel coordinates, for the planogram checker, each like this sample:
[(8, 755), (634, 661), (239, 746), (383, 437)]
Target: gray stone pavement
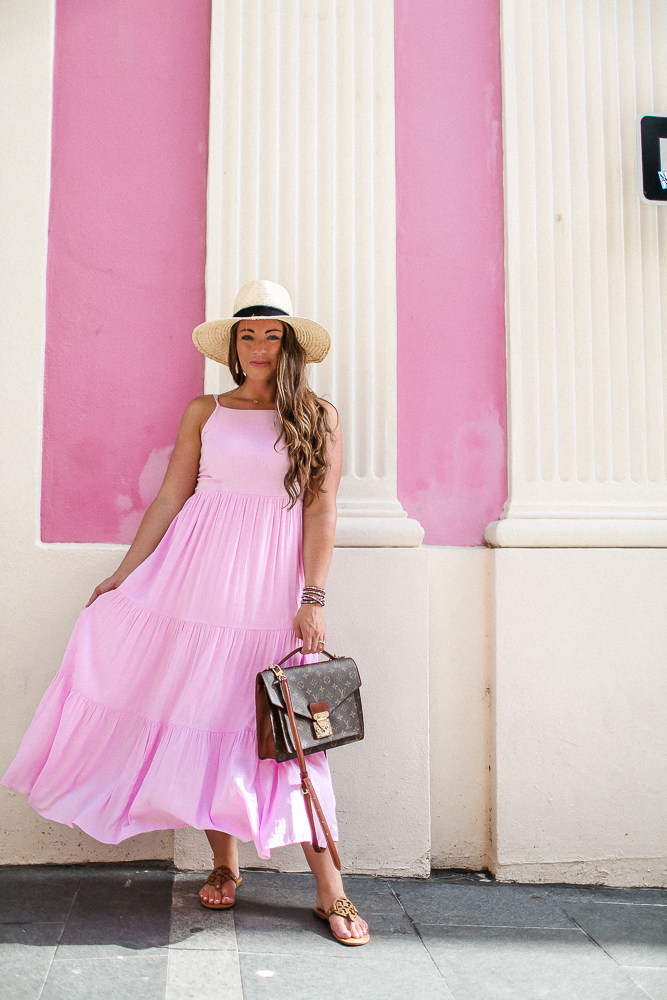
[(138, 931)]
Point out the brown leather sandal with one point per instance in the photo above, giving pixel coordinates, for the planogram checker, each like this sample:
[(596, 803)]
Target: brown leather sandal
[(217, 878), (342, 908)]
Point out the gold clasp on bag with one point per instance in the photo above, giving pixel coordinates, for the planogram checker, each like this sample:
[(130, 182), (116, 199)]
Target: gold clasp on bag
[(322, 725), (320, 713)]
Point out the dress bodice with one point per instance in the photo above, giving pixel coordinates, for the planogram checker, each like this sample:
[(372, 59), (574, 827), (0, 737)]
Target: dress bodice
[(239, 453)]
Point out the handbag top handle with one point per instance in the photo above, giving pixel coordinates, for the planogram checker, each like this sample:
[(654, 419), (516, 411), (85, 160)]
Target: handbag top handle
[(299, 649)]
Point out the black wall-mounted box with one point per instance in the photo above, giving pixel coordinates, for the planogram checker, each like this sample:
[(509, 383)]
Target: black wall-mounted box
[(653, 158)]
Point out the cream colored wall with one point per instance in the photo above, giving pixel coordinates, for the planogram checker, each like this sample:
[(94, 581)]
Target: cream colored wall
[(460, 665), (42, 587), (548, 748), (580, 736)]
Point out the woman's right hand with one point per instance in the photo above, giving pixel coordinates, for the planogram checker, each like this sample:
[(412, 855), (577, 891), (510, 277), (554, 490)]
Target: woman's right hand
[(111, 583)]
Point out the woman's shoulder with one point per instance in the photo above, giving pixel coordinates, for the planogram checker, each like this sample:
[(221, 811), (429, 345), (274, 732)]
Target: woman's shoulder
[(332, 413), (198, 411), (201, 404)]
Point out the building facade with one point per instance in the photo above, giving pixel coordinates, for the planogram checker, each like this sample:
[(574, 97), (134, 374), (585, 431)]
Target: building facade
[(454, 192)]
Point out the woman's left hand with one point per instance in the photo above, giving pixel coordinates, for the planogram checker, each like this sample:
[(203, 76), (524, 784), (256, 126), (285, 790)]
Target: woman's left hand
[(311, 628)]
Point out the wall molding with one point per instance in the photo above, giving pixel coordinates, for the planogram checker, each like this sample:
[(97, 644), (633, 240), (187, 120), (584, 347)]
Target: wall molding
[(568, 533)]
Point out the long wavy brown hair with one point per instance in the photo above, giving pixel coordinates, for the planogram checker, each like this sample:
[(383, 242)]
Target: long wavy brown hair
[(304, 420)]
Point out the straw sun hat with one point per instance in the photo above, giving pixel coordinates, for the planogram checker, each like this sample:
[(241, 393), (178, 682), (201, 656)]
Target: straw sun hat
[(257, 300)]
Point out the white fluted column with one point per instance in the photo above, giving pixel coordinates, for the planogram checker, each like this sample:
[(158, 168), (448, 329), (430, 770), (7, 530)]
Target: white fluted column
[(586, 279), (301, 190)]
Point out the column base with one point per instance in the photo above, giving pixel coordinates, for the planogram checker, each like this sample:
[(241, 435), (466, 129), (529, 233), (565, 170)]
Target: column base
[(378, 532), (632, 872), (572, 533)]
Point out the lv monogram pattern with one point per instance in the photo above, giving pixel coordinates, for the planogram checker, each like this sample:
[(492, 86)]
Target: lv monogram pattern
[(335, 681)]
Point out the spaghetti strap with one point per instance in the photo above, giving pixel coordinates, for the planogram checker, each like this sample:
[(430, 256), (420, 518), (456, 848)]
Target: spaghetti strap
[(215, 399)]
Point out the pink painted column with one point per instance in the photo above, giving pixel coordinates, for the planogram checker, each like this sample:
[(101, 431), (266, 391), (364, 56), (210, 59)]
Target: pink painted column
[(451, 332), (127, 246)]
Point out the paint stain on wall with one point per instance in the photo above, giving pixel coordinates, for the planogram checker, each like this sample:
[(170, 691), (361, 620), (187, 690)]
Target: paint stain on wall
[(150, 482)]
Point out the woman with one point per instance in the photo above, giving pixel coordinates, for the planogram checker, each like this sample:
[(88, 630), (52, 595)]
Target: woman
[(150, 722)]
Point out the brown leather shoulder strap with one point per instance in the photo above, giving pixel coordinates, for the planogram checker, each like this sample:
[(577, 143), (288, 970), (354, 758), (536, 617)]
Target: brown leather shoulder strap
[(309, 794)]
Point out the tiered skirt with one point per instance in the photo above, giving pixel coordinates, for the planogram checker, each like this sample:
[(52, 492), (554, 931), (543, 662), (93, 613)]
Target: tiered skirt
[(150, 722)]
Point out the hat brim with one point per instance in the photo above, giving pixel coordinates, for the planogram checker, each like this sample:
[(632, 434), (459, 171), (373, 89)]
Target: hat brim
[(212, 338)]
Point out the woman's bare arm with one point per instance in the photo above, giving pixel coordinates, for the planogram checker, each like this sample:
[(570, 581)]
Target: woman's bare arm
[(179, 484), (319, 530)]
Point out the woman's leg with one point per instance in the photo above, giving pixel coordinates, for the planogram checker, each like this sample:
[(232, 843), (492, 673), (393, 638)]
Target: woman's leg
[(225, 852), (329, 888)]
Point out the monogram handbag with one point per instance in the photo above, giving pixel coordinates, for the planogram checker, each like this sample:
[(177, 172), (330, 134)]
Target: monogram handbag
[(304, 710)]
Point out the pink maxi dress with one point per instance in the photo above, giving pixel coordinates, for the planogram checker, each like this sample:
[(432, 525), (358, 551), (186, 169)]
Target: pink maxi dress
[(150, 722)]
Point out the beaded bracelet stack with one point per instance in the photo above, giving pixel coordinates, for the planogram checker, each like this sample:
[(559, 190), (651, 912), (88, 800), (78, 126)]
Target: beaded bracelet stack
[(313, 595)]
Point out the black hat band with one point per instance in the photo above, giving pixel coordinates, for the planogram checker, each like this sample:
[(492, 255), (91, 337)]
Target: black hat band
[(260, 311)]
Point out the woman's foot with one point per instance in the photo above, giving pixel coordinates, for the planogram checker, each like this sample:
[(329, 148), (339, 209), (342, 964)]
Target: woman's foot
[(342, 927), (219, 891), (329, 889)]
